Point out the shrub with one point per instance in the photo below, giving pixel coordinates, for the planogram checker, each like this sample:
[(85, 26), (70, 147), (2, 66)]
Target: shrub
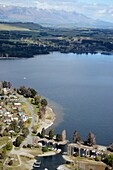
[(25, 132), (51, 133), (19, 140), (98, 158), (9, 146), (24, 146), (2, 155), (29, 145), (10, 162), (34, 129), (45, 149)]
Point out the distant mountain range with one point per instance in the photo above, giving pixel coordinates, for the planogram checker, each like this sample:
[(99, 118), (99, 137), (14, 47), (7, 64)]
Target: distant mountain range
[(49, 17)]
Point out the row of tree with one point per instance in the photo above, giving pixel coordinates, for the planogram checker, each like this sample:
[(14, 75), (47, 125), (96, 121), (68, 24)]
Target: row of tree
[(59, 137), (31, 92), (90, 139), (27, 92), (6, 84)]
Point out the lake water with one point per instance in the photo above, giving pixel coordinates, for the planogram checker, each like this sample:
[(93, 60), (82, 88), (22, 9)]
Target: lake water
[(79, 86)]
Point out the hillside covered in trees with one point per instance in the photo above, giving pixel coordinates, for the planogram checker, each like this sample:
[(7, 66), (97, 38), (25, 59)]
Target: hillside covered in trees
[(33, 39)]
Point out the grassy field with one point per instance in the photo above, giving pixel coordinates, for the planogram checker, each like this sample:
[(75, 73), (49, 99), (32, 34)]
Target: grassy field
[(4, 27), (3, 140)]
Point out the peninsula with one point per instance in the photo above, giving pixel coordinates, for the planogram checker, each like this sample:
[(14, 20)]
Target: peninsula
[(24, 118)]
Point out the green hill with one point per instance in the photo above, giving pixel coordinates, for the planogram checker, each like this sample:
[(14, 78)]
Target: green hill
[(19, 26), (9, 27)]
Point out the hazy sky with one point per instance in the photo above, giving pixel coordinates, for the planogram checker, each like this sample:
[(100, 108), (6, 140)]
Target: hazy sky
[(99, 9)]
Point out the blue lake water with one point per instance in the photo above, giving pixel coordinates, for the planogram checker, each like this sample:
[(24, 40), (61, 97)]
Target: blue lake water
[(79, 86)]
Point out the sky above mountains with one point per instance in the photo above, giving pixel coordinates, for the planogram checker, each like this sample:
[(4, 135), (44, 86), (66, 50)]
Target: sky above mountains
[(97, 9)]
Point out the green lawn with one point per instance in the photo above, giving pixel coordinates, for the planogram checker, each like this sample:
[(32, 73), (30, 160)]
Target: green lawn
[(3, 140), (36, 110)]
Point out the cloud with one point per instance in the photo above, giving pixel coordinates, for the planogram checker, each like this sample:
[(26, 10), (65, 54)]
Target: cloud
[(90, 8), (21, 3), (57, 5)]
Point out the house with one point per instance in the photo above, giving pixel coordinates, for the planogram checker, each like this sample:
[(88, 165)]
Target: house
[(24, 117), (17, 104), (21, 113)]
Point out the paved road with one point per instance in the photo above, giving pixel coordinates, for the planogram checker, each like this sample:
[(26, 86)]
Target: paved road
[(34, 119)]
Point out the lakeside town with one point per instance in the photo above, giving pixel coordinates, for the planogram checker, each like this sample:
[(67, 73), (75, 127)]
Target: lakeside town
[(24, 118)]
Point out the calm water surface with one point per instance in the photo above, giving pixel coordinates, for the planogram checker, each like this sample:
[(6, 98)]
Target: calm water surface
[(81, 85)]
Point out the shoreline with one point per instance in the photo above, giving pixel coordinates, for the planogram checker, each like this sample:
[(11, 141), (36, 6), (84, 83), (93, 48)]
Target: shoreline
[(64, 52), (49, 121)]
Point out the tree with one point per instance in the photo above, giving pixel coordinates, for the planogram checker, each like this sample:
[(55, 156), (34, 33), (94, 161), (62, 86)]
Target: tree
[(43, 132), (33, 92), (2, 154), (109, 159), (76, 137), (0, 128), (91, 139), (19, 140), (13, 125), (44, 102), (5, 133), (24, 91), (37, 99), (59, 137), (4, 84), (110, 147), (63, 135), (21, 124), (51, 133), (10, 162), (9, 85), (25, 132), (34, 129)]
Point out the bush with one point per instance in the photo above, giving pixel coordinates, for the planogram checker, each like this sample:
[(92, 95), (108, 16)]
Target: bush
[(98, 158), (10, 162), (59, 137), (25, 132), (51, 133), (5, 133), (29, 145), (44, 102), (24, 146), (35, 129), (45, 149), (2, 155), (19, 140), (37, 146), (9, 146)]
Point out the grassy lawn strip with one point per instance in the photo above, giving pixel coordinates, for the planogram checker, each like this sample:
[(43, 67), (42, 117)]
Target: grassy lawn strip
[(36, 110), (25, 158), (36, 151)]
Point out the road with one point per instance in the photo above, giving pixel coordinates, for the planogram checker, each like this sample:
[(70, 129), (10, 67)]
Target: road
[(34, 120)]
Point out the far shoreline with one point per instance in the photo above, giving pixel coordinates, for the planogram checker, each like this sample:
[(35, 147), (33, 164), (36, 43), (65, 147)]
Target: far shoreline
[(106, 53)]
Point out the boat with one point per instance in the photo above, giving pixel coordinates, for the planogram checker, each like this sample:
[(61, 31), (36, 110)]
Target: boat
[(36, 166), (37, 162)]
